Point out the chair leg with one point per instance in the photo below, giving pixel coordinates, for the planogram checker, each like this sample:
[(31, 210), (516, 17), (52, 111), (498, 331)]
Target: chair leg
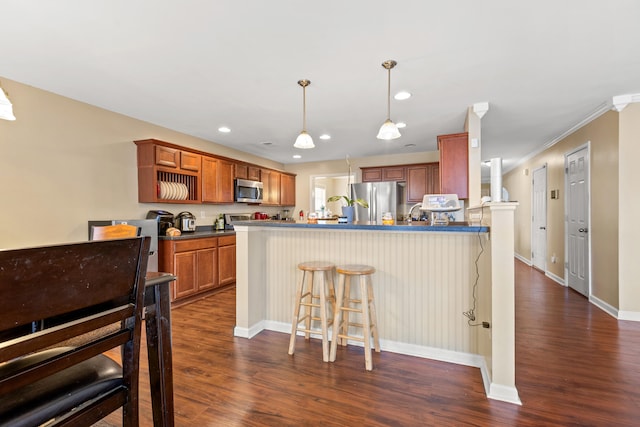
[(373, 319), (296, 314), (366, 327), (323, 320), (336, 318), (308, 310), (345, 302)]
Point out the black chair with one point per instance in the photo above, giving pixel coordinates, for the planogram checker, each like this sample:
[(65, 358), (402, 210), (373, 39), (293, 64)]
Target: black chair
[(75, 290)]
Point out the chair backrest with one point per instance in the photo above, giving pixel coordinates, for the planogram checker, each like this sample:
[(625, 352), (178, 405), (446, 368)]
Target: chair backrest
[(76, 290), (117, 231)]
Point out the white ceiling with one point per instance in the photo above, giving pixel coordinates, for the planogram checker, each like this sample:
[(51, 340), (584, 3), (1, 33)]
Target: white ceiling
[(196, 65)]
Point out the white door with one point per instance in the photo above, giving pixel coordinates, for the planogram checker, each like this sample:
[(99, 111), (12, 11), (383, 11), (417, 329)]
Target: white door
[(539, 219), (577, 177)]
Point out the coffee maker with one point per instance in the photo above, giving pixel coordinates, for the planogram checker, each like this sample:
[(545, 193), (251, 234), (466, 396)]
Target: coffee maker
[(164, 220)]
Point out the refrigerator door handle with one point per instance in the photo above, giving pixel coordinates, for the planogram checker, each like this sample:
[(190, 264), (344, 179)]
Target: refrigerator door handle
[(373, 212)]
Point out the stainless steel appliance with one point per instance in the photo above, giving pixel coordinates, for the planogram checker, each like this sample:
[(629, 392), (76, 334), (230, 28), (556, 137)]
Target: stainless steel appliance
[(230, 218), (148, 227), (185, 222), (382, 197), (248, 191), (163, 219)]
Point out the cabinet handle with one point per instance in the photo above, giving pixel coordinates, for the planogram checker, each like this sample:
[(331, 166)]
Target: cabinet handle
[(583, 230)]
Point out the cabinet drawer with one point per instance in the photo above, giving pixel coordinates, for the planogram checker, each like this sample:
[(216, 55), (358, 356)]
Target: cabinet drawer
[(190, 161), (226, 240), (195, 244), (393, 174), (166, 156)]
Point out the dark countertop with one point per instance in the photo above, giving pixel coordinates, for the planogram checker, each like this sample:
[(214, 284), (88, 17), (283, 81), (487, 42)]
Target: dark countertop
[(463, 227), (201, 232)]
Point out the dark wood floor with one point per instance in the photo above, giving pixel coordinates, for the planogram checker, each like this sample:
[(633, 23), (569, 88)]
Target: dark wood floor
[(576, 365)]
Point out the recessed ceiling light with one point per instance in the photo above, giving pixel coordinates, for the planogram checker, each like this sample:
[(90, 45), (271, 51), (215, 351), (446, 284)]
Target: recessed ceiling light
[(266, 143), (297, 156), (325, 136), (401, 96), (409, 145), (224, 129), (401, 125)]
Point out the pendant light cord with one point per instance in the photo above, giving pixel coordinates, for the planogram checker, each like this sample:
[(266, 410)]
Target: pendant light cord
[(389, 94), (304, 108)]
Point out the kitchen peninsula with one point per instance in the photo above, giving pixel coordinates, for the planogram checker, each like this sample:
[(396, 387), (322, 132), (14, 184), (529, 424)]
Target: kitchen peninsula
[(426, 279)]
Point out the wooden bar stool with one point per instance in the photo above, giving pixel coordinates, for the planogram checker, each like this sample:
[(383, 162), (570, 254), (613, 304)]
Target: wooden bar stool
[(310, 299), (346, 305)]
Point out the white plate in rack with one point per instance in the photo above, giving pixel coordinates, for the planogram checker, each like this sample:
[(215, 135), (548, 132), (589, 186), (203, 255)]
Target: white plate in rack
[(163, 190), (185, 191)]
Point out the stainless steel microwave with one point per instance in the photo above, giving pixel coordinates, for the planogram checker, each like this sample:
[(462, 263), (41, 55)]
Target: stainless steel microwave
[(248, 191)]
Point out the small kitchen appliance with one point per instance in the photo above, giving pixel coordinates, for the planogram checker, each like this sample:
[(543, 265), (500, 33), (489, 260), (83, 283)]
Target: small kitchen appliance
[(164, 220), (185, 222), (440, 206), (230, 218)]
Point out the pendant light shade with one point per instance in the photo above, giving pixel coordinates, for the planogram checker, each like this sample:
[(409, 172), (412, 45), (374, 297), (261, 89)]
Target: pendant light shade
[(6, 108), (304, 140), (388, 130)]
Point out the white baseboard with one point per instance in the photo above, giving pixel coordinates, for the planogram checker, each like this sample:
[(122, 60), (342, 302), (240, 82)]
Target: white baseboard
[(249, 332), (555, 278), (604, 306), (523, 259), (504, 393), (493, 391), (633, 316)]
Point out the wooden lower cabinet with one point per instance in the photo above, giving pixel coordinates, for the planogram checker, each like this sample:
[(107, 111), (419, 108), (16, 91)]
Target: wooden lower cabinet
[(200, 265), (226, 260)]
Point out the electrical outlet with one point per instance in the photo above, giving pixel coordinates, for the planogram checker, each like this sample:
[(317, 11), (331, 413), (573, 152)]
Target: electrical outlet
[(554, 259), (486, 325), (203, 214)]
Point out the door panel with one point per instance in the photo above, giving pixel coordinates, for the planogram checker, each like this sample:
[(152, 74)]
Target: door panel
[(577, 221), (539, 219)]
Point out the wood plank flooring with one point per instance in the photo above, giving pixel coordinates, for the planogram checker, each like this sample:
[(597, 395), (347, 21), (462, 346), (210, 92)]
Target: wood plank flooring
[(575, 365)]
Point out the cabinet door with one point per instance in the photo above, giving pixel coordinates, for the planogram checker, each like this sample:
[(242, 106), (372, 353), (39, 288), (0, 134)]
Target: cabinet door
[(241, 171), (227, 264), (287, 190), (454, 164), (253, 173), (433, 176), (371, 174), (393, 173), (207, 268), (217, 180), (190, 161), (185, 271), (168, 157), (416, 183), (271, 187)]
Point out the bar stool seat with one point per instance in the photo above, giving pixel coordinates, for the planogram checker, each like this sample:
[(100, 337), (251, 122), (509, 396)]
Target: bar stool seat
[(315, 296), (345, 305)]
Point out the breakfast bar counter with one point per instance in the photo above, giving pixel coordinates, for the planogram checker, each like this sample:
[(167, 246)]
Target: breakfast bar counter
[(433, 285)]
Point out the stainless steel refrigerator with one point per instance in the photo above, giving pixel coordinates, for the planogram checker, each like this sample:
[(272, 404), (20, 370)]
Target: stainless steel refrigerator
[(382, 197)]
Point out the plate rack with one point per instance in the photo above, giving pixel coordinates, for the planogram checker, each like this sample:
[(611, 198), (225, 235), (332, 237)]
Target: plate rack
[(189, 180)]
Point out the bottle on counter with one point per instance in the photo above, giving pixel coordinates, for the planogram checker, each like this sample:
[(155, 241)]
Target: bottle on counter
[(387, 218), (220, 222)]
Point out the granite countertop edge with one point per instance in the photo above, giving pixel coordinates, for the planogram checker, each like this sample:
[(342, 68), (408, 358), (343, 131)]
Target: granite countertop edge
[(463, 227), (200, 233)]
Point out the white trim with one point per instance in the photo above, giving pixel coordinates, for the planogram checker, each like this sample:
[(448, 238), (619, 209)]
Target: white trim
[(523, 259), (604, 306), (559, 280), (620, 102), (249, 332), (493, 390), (532, 232), (504, 393), (633, 316)]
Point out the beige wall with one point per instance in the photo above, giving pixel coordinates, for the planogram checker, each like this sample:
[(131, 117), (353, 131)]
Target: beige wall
[(602, 134), (65, 162)]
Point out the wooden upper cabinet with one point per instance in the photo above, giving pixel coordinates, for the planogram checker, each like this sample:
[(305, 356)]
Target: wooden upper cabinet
[(422, 179), (384, 173), (371, 174), (271, 187), (167, 174), (217, 180), (454, 164), (287, 190), (241, 170)]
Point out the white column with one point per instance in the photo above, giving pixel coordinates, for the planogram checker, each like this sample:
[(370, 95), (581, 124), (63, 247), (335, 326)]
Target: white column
[(503, 372)]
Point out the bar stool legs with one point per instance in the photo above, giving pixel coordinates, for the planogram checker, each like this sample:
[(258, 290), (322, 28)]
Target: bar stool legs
[(305, 297), (365, 306)]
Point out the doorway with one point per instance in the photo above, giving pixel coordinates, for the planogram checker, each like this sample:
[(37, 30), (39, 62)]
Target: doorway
[(539, 219), (577, 220)]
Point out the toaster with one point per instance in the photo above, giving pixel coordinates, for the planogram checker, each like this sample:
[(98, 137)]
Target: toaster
[(185, 222)]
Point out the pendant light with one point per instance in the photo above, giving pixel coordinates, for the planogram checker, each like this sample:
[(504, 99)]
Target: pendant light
[(389, 130), (304, 140)]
